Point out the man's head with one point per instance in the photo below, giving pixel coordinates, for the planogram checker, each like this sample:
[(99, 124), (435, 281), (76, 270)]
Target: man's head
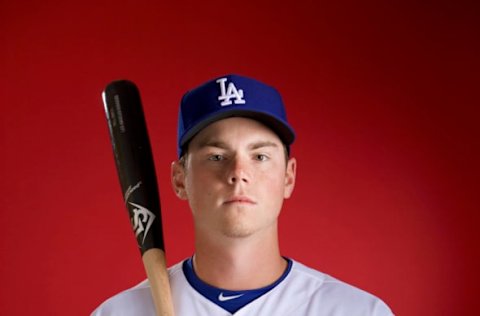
[(231, 96), (234, 169)]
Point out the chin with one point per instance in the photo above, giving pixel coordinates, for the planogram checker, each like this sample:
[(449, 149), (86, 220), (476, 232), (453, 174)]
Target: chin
[(236, 231), (237, 234)]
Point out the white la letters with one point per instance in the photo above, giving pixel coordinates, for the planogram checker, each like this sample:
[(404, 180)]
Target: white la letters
[(229, 93)]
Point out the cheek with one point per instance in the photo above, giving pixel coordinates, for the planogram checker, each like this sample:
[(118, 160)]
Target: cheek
[(274, 184), (199, 188)]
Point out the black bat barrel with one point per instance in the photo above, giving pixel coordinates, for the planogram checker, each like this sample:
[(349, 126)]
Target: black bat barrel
[(134, 161)]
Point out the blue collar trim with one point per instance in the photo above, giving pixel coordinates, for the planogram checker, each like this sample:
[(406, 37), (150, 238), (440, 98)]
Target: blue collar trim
[(231, 301)]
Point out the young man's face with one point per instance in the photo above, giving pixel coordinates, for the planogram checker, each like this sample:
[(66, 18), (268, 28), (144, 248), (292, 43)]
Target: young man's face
[(235, 177)]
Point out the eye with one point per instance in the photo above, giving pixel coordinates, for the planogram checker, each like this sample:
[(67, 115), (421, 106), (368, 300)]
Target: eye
[(261, 157), (216, 157)]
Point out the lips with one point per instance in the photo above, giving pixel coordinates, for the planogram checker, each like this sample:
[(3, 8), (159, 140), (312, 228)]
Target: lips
[(239, 200)]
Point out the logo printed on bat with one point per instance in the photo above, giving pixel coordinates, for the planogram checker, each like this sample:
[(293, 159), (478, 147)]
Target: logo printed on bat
[(118, 107), (130, 190), (142, 220)]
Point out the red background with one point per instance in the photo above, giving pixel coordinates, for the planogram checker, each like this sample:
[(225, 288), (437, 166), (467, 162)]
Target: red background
[(383, 95)]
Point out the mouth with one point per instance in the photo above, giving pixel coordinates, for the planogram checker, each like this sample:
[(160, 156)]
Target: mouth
[(240, 200)]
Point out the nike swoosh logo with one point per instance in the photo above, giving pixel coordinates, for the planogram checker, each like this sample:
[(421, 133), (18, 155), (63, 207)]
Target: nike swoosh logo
[(223, 298)]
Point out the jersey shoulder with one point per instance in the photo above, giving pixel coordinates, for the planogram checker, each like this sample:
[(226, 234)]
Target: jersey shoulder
[(136, 300), (328, 293), (133, 301)]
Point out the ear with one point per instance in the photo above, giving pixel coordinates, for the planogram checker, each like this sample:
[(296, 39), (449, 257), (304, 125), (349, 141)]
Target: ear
[(178, 179), (290, 176)]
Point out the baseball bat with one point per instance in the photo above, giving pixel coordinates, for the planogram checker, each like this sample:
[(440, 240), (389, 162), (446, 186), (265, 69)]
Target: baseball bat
[(136, 172)]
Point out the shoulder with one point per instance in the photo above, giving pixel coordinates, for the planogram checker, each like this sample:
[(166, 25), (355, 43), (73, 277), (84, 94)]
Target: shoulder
[(133, 301), (327, 292), (136, 300)]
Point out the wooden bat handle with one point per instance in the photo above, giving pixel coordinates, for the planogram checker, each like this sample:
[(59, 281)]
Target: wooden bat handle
[(156, 269)]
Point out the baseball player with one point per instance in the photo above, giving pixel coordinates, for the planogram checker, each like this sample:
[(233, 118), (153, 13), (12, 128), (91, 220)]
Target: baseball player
[(235, 170)]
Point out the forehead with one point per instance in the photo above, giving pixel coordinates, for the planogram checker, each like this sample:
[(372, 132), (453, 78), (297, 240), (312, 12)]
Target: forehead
[(235, 130)]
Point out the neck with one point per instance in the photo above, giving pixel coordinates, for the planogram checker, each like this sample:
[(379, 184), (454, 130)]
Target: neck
[(238, 263)]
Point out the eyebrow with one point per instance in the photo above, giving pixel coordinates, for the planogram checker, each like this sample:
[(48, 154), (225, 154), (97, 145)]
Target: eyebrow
[(262, 144), (213, 143)]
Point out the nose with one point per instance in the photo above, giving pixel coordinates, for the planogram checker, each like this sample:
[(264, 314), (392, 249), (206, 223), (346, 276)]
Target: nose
[(238, 171)]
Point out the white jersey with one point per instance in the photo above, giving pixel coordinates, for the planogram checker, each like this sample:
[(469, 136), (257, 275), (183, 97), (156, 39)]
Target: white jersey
[(303, 292)]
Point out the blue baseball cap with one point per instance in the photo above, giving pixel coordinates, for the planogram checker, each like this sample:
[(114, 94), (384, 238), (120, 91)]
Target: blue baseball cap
[(232, 96)]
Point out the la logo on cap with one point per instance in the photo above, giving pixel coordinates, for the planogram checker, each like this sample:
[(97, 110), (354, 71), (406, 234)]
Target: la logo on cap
[(229, 93)]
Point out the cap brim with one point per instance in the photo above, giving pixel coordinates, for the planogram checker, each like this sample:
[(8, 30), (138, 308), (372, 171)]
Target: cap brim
[(280, 127)]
